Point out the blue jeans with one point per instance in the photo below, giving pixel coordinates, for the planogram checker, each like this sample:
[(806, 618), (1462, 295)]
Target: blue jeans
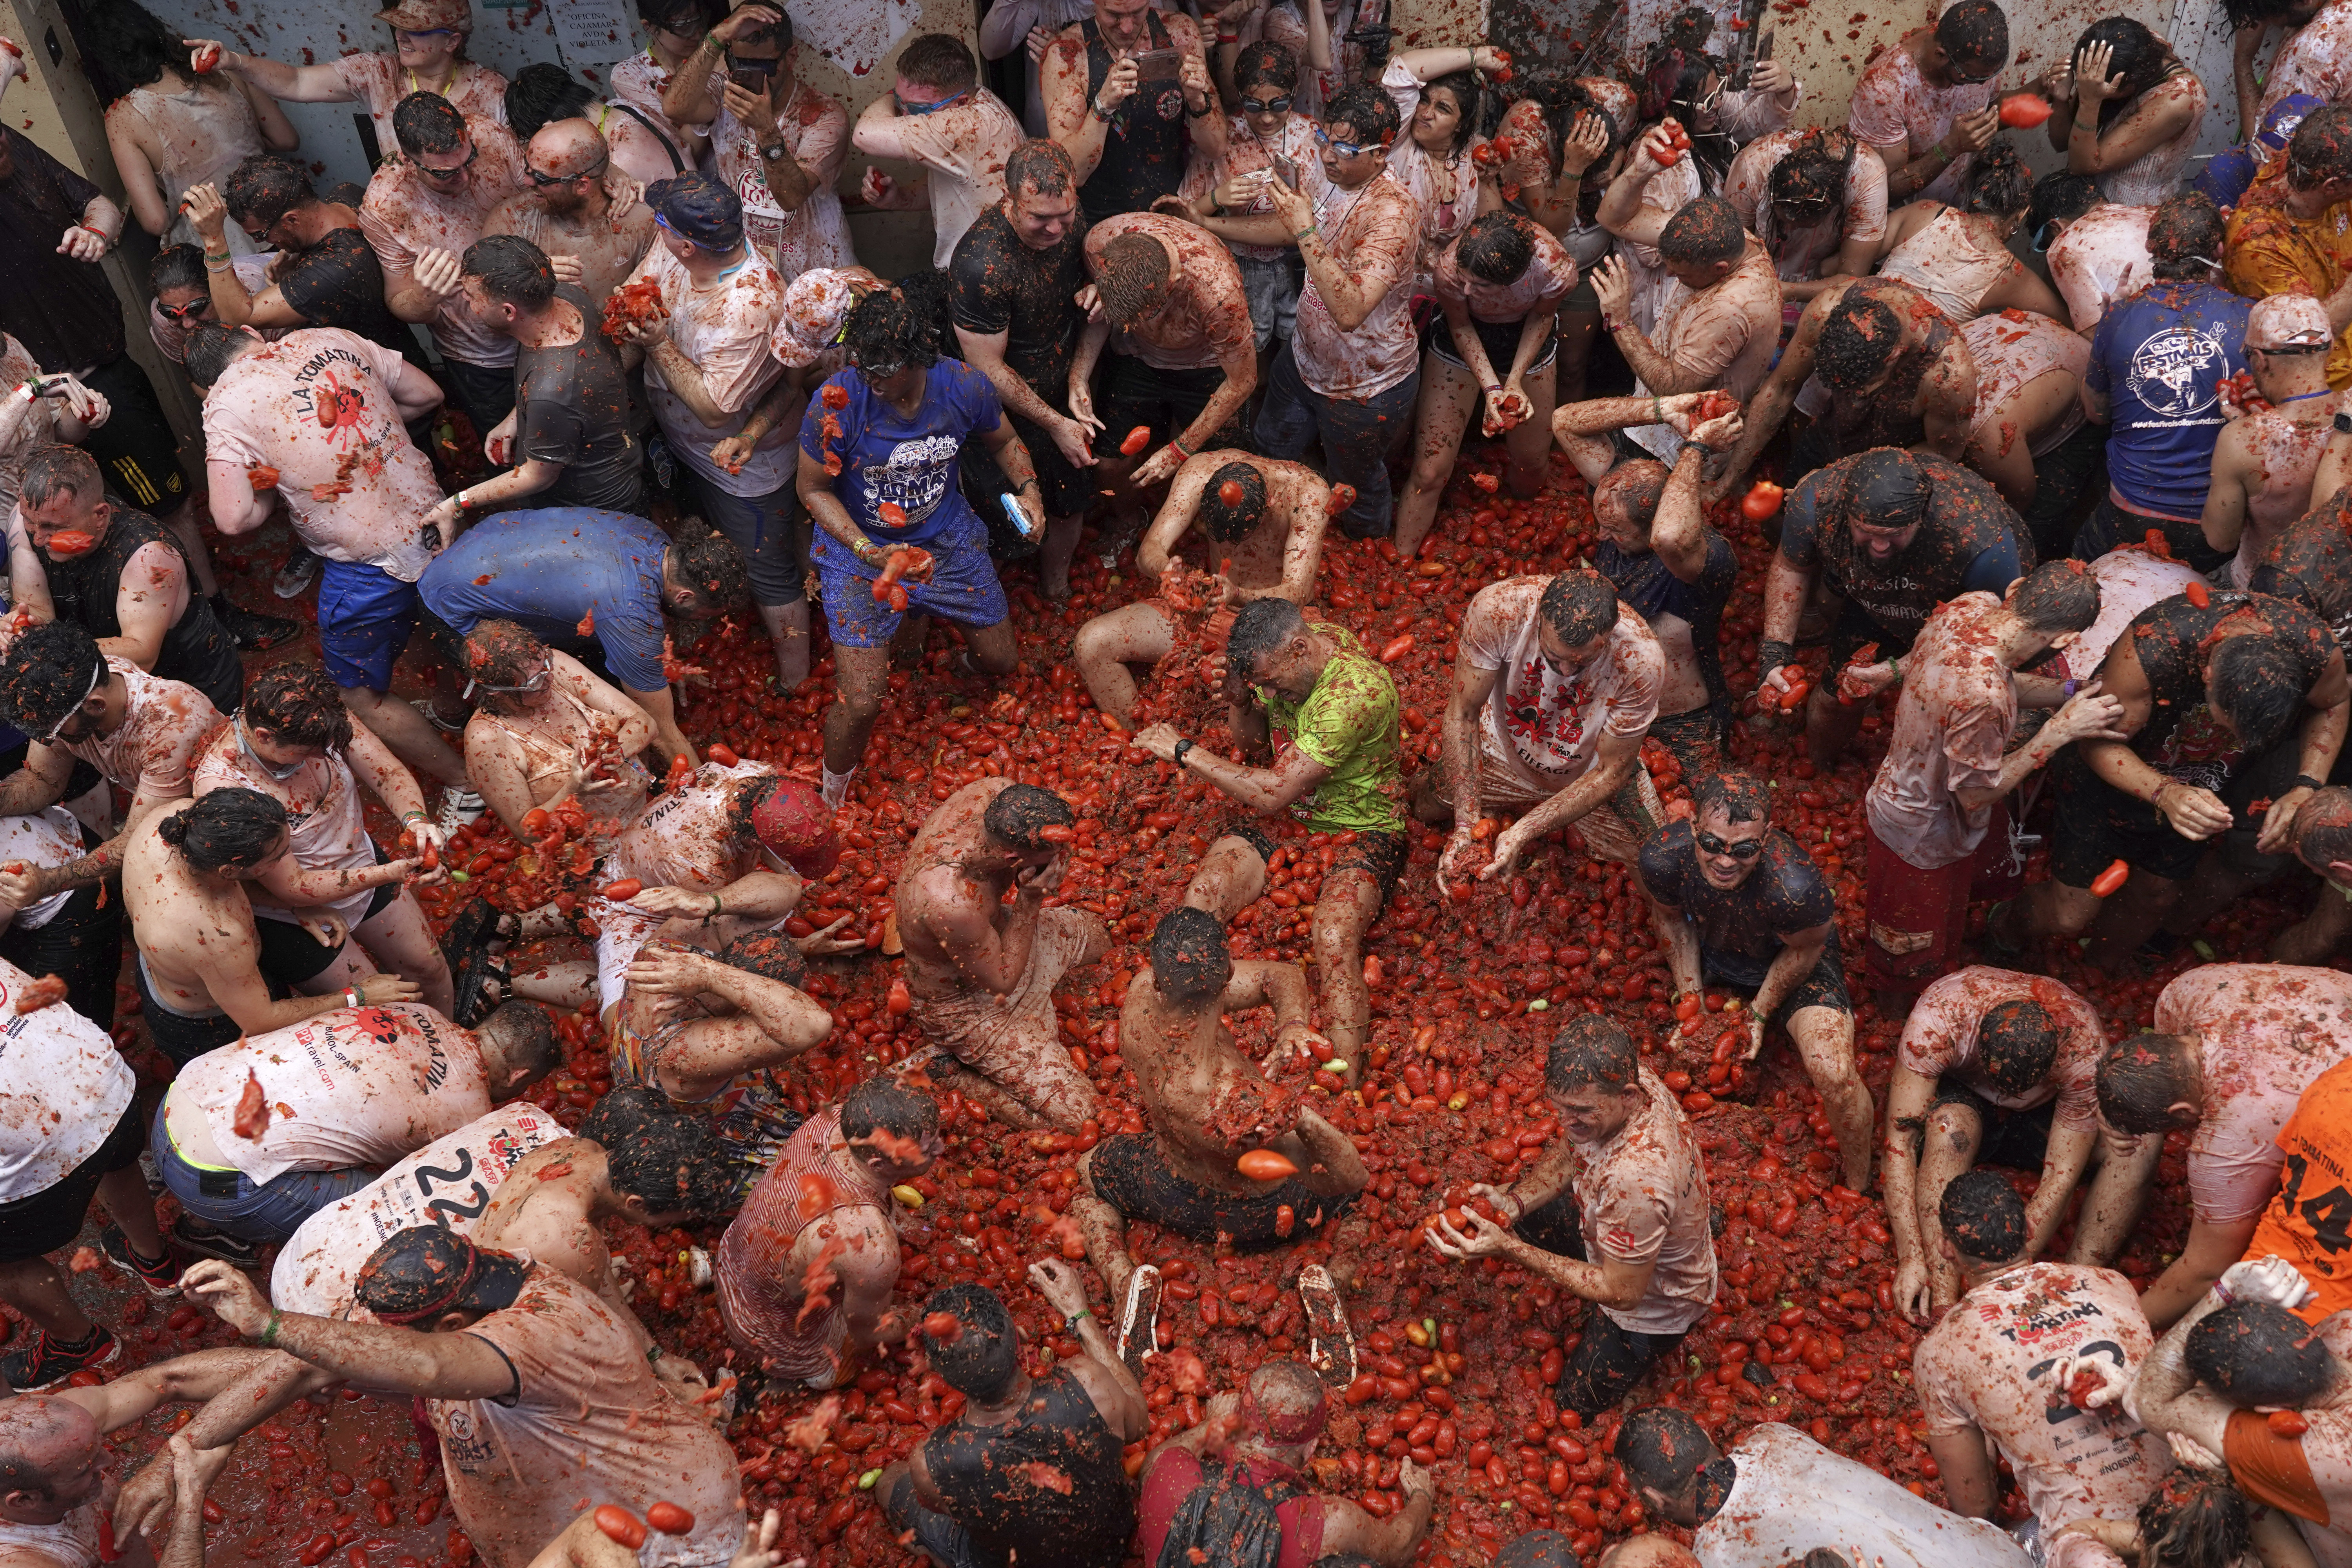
[(1356, 434), (233, 1201)]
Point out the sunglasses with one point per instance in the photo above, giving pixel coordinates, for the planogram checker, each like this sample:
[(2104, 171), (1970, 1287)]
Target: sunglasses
[(1746, 849), (413, 35), (543, 180), (876, 375), (1266, 106), (454, 170), (1345, 149), (192, 311), (906, 108)]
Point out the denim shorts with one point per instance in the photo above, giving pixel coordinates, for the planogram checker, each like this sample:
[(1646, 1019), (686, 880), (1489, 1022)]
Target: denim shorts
[(232, 1201)]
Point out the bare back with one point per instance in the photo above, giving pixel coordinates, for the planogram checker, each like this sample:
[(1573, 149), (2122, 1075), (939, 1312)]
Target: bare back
[(939, 906), (1195, 1084), (189, 932), (1292, 525)]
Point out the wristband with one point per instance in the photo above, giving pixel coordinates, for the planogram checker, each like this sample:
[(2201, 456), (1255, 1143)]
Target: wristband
[(1770, 655), (1181, 747), (2343, 422), (1495, 391), (2070, 687), (2221, 1293), (1100, 112), (1201, 114), (412, 816), (1228, 37), (461, 497), (1072, 1320), (653, 1354), (2305, 781), (218, 255), (269, 1335), (715, 907), (350, 996), (1177, 447)]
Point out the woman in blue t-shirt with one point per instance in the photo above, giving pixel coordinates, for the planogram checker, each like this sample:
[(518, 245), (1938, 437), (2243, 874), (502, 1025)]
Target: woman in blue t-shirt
[(878, 470)]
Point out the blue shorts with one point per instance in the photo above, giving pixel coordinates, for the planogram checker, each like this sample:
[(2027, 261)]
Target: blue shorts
[(365, 614), (964, 586)]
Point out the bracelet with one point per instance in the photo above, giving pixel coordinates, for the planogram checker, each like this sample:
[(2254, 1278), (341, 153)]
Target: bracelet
[(212, 266), (653, 1354), (412, 816), (1177, 447), (2221, 1293), (350, 996), (1228, 37), (269, 1335), (1201, 114), (1100, 112), (1301, 234), (216, 256), (1072, 1320), (2305, 781), (1491, 391), (715, 907), (1658, 410)]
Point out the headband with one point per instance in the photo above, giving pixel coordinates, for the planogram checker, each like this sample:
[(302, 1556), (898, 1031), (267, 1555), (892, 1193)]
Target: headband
[(96, 677)]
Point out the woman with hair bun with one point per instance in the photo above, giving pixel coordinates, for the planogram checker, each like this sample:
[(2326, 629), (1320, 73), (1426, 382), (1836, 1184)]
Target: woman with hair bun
[(1958, 256)]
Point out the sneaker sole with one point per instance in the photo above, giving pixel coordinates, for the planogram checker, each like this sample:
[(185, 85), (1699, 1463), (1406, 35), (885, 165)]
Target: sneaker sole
[(1138, 1320), (1332, 1350), (114, 1353)]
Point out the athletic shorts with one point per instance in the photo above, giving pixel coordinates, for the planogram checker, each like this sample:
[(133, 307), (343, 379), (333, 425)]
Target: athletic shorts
[(1131, 393), (50, 1218), (135, 448), (293, 955), (1824, 988), (2013, 1140), (1608, 1358), (964, 586), (365, 614), (2098, 824), (1500, 340), (1134, 1178)]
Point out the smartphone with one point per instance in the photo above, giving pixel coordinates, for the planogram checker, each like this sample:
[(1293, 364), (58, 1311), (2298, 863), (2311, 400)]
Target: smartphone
[(1286, 170), (1019, 518), (753, 82), (1159, 64)]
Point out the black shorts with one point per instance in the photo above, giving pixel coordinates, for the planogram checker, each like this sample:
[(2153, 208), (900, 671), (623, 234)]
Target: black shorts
[(1608, 1359), (1824, 988), (1129, 393), (80, 944), (50, 1218), (2098, 824), (1381, 854), (293, 955), (1695, 738), (1856, 628), (1067, 491), (938, 1536), (2013, 1140), (1500, 340), (180, 1039), (1251, 834), (1132, 1176), (135, 448)]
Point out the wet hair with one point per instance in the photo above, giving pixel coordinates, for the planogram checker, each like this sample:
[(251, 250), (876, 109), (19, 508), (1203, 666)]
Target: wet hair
[(57, 470), (1265, 64), (1592, 1050), (1559, 98), (2257, 688), (1882, 487), (931, 294), (1983, 1216), (768, 954), (513, 270), (1228, 523), (299, 704), (1190, 961), (177, 266), (1975, 35), (1134, 271), (1538, 1549), (211, 348), (1704, 232), (2017, 1044), (1662, 1448), (427, 123), (45, 674), (883, 1104), (779, 32), (1471, 96), (1856, 341), (1498, 248), (2253, 1353), (2236, 13), (2060, 195), (711, 565), (2187, 232), (671, 1160), (1740, 795), (126, 45), (1369, 113), (1578, 604), (500, 652), (1809, 179), (938, 60), (2193, 1522), (1021, 812), (2321, 149), (982, 1361), (2140, 1079), (1674, 81), (1824, 1557), (265, 188), (885, 329), (1999, 184), (526, 1040), (704, 13), (540, 94), (1637, 486), (237, 828), (1261, 627), (1041, 164), (2140, 57), (2057, 597), (2322, 829)]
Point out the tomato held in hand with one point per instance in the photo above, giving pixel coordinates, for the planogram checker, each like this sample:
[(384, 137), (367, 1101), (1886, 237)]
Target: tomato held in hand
[(620, 1525), (621, 891)]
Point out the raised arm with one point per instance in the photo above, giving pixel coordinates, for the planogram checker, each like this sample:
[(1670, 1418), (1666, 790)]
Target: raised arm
[(275, 78)]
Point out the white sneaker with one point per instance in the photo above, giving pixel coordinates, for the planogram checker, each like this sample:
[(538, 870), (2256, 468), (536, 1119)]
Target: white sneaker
[(460, 808)]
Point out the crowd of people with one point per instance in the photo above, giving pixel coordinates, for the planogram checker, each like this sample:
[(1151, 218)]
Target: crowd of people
[(1218, 299)]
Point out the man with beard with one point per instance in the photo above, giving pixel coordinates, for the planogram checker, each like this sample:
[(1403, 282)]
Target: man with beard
[(585, 215)]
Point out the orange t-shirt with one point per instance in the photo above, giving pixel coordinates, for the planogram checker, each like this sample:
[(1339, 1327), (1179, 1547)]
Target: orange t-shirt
[(2309, 1219)]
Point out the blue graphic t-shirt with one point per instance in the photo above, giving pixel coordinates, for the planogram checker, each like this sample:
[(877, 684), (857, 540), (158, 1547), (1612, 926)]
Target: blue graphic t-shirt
[(907, 460), (2161, 357)]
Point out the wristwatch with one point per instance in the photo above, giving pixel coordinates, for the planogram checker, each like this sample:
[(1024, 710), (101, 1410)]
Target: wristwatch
[(1182, 746), (774, 152)]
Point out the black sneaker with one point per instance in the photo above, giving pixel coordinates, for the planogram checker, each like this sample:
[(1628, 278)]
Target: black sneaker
[(159, 1274), (43, 1363), (252, 632), (206, 1243)]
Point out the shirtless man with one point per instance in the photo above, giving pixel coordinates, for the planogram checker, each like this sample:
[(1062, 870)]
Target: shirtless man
[(2263, 464), (1662, 558), (341, 1096), (807, 1291), (1259, 518), (1981, 1049), (2028, 434), (2235, 1046), (1877, 365), (983, 970), (1208, 1104), (588, 216), (201, 960), (1984, 1374), (1591, 669), (142, 735), (545, 731)]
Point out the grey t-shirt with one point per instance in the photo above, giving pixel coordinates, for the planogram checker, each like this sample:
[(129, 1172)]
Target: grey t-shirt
[(574, 409)]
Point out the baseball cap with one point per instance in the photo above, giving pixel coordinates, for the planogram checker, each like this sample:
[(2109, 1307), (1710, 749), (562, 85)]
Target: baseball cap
[(794, 822), (2287, 114), (2288, 321), (698, 208), (423, 16), (815, 304), (425, 1270)]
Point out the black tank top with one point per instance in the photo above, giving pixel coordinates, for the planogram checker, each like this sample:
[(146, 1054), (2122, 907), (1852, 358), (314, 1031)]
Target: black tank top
[(1146, 143), (1890, 417), (197, 649), (2175, 640), (1645, 582), (1048, 1485)]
